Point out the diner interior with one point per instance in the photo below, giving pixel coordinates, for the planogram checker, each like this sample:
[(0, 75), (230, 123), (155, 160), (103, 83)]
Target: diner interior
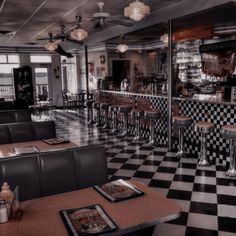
[(118, 117)]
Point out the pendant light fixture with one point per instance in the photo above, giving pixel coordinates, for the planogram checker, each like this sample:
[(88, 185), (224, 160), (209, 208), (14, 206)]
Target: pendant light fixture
[(51, 45), (78, 33), (137, 10), (122, 47), (164, 39)]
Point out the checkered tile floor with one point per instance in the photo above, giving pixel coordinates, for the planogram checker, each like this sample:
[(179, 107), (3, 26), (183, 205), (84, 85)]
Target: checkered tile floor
[(208, 199)]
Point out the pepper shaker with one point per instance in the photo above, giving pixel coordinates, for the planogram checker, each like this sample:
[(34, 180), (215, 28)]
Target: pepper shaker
[(3, 212)]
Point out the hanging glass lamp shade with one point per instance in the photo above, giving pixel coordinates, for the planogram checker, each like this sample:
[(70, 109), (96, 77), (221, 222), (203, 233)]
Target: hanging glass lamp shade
[(122, 47), (137, 10), (79, 34)]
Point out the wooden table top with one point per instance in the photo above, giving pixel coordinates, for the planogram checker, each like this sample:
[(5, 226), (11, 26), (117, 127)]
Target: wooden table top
[(41, 216), (7, 150)]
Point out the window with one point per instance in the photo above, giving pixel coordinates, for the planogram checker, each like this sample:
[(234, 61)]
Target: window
[(7, 64), (40, 59)]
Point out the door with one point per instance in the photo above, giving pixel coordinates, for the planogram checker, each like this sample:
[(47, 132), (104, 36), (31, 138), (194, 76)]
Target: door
[(41, 75), (120, 71)]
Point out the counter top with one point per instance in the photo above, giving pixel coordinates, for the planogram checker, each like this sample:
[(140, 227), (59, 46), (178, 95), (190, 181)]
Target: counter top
[(206, 98), (135, 94)]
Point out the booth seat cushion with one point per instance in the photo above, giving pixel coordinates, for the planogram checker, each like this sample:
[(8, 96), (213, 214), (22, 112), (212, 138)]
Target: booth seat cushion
[(4, 135), (21, 132), (44, 129), (7, 117), (58, 172), (55, 172), (91, 166), (22, 116), (23, 172)]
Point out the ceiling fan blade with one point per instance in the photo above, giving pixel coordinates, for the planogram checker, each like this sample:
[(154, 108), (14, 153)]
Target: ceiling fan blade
[(43, 38), (62, 52)]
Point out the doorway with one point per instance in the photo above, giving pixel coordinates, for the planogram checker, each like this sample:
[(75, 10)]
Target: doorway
[(41, 83), (120, 71)]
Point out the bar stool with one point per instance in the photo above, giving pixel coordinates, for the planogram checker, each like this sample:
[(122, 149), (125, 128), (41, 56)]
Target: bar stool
[(125, 110), (137, 115), (229, 132), (105, 109), (89, 105), (152, 116), (181, 122), (97, 107), (204, 128), (114, 110)]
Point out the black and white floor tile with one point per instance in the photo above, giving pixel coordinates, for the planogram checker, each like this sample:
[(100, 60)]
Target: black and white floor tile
[(207, 197)]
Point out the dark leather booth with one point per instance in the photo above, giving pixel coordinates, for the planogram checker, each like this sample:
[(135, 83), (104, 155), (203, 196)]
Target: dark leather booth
[(55, 172), (15, 116), (27, 131)]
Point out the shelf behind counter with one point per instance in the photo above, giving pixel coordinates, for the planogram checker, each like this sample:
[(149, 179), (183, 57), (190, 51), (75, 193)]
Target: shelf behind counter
[(201, 108)]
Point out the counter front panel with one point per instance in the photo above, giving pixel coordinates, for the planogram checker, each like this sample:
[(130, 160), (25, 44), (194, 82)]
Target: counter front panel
[(200, 110)]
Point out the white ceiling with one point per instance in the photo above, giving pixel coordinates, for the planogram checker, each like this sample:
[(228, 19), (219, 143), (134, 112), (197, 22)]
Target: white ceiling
[(32, 19)]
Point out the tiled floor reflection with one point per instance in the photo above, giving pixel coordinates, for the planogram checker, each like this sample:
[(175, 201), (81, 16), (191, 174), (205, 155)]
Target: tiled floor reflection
[(208, 199)]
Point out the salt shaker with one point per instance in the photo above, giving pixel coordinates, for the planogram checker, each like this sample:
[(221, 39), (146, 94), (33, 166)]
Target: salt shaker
[(3, 212)]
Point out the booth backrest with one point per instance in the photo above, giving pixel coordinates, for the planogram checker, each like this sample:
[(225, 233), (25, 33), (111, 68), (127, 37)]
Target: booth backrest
[(27, 131), (55, 172), (14, 116)]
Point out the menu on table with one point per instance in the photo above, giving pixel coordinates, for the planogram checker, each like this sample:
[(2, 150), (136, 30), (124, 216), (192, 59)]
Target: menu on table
[(26, 149), (54, 141), (88, 220), (118, 190)]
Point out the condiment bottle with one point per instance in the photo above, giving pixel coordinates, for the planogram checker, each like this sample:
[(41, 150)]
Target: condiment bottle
[(3, 212), (7, 195)]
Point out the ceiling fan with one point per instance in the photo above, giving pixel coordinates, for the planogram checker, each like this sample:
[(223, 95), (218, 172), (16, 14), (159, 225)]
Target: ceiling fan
[(54, 44), (101, 18), (62, 36)]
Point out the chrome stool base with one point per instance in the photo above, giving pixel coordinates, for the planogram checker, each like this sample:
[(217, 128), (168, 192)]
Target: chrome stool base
[(181, 122), (125, 133), (125, 110), (203, 162), (152, 143), (138, 138), (106, 126), (181, 154), (231, 173)]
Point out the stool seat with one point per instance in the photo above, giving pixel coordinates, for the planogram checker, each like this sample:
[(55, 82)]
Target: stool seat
[(89, 103), (152, 114), (125, 108), (182, 120), (105, 106), (229, 131), (137, 113), (204, 127)]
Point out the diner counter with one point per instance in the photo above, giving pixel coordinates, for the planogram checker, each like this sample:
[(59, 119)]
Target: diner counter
[(200, 107), (205, 98)]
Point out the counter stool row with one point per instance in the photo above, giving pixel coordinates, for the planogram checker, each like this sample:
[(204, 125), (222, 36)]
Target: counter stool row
[(228, 132), (124, 110)]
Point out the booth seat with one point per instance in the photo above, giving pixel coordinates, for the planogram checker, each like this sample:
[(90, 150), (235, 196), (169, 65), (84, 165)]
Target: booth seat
[(54, 172), (15, 116), (27, 131)]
